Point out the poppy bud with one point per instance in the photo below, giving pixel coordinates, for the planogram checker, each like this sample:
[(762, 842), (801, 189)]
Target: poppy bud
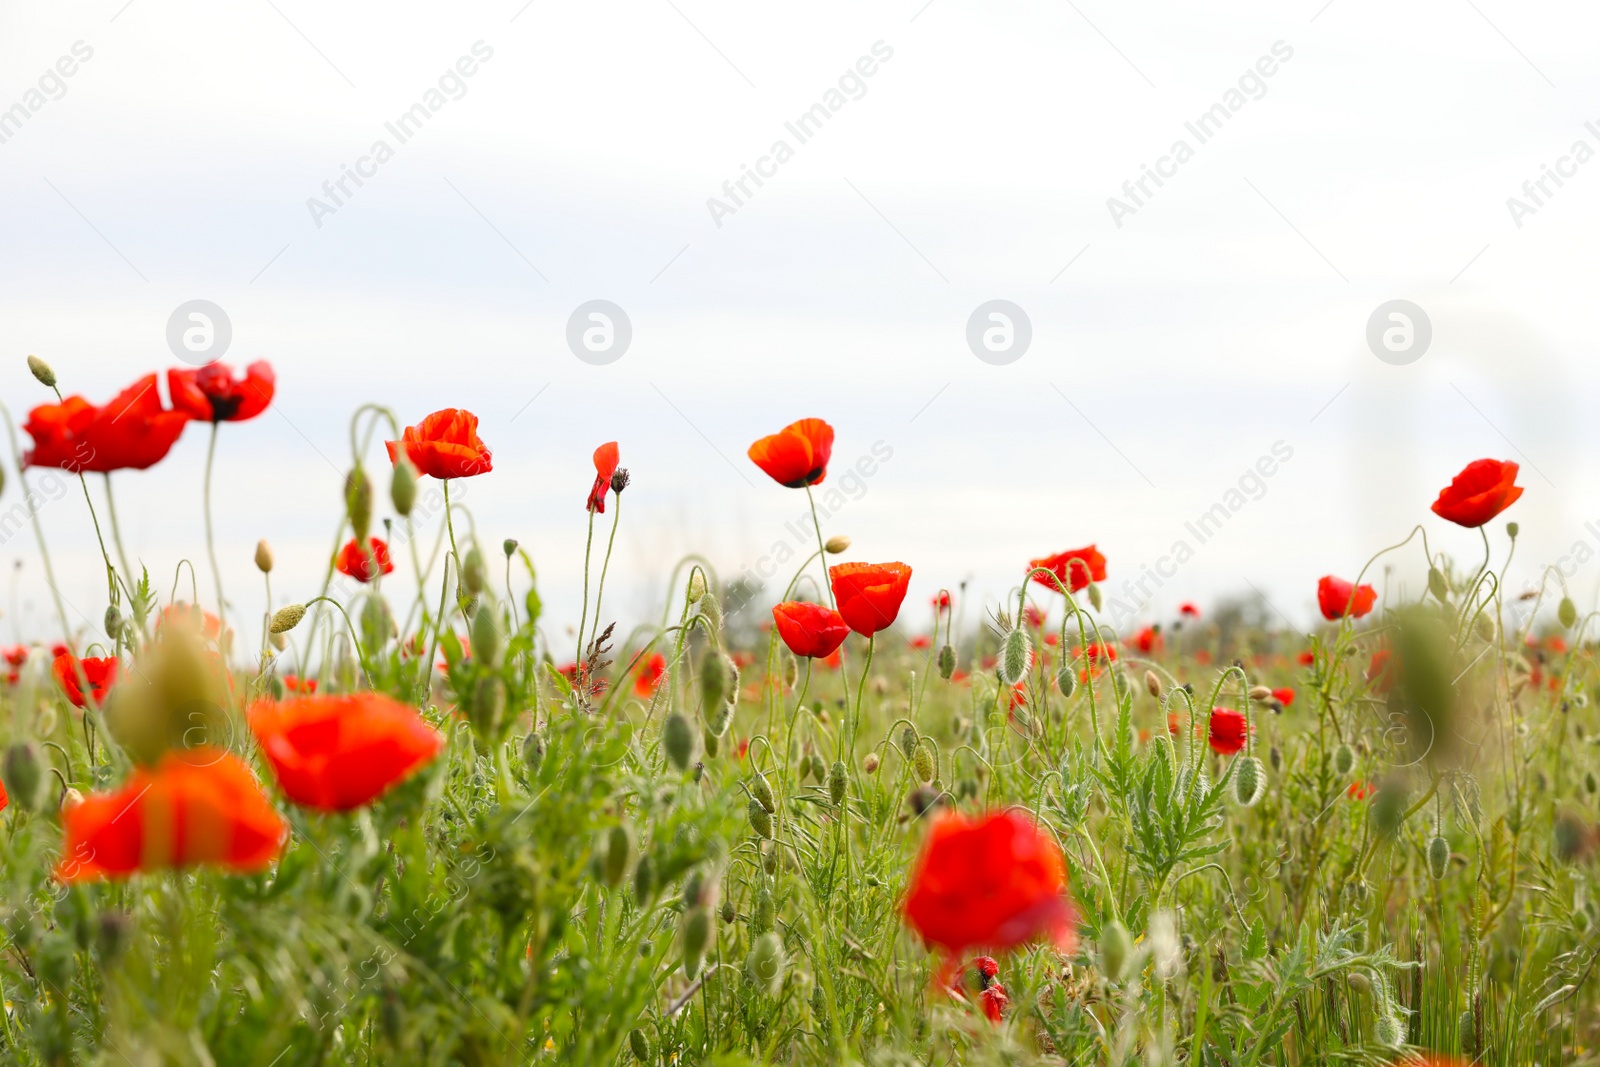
[(533, 752), (1567, 612), (791, 671), (486, 636), (644, 880), (947, 662), (1359, 982), (639, 1044), (908, 741), (761, 919), (836, 544), (474, 572), (619, 849), (1512, 529), (1589, 783), (711, 742), (1015, 653), (358, 502), (720, 721), (1387, 1029), (765, 964), (769, 860), (715, 669), (1260, 694), (1344, 760), (23, 775), (1438, 857), (70, 798), (287, 618), (263, 557), (403, 486), (696, 936), (279, 641), (1066, 681), (923, 763), (113, 621), (697, 585), (41, 370), (836, 782), (1152, 684), (762, 791), (760, 820), (1115, 947), (1437, 585), (728, 912), (1465, 1031), (1249, 781), (677, 740), (1094, 595), (711, 611), (1275, 758), (1389, 805), (869, 764), (509, 545)]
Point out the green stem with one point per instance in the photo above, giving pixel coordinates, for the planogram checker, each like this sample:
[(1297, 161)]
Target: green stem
[(600, 590), (822, 548), (583, 619), (211, 541)]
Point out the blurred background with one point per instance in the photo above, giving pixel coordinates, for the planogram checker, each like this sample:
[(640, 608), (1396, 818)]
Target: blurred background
[(1351, 154)]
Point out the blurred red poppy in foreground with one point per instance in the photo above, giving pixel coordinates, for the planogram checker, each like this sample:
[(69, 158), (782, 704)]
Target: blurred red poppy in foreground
[(1076, 568), (809, 629), (606, 458), (997, 881), (335, 753), (444, 445), (797, 455), (1483, 489), (650, 672), (133, 431), (99, 673), (357, 564), (198, 806), (869, 594), (212, 394), (1229, 730), (1338, 598)]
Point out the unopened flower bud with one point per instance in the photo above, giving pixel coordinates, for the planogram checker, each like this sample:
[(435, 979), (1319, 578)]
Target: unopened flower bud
[(697, 585), (70, 799), (287, 618), (533, 752), (1359, 982), (1116, 945), (760, 819), (510, 546), (1567, 612), (263, 557), (947, 662), (677, 740), (358, 502), (765, 964), (22, 772), (403, 486), (485, 634), (1094, 595), (1015, 653), (761, 790), (836, 781), (639, 1044), (619, 849), (1437, 585), (718, 678), (1152, 684), (474, 572), (1249, 782), (908, 741), (1260, 694), (728, 912), (1344, 760), (869, 764), (836, 544), (644, 880), (113, 621), (1066, 681), (1438, 857), (696, 936), (922, 762), (41, 370)]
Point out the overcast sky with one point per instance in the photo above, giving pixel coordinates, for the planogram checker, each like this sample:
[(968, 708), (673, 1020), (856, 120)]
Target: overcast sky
[(1357, 153)]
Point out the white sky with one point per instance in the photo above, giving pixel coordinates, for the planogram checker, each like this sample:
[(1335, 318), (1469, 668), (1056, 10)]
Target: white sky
[(1227, 314)]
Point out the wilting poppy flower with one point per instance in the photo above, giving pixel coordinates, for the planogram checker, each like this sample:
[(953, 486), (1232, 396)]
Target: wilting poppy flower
[(99, 673), (133, 431), (212, 394), (1075, 568), (197, 806), (809, 629), (605, 465), (1284, 696), (996, 880), (335, 753), (1338, 598), (869, 594), (651, 670), (355, 563), (1483, 489), (797, 455), (1189, 609), (1229, 730), (444, 445), (1147, 640)]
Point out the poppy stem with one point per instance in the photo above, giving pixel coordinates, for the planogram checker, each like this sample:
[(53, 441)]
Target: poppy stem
[(861, 688), (600, 590), (211, 541), (449, 524), (116, 530), (28, 499), (583, 619), (822, 548)]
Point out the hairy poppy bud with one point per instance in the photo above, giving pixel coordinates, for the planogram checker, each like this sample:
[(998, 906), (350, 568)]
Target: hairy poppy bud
[(762, 791), (765, 964), (760, 820), (712, 742), (715, 672), (486, 636), (697, 585), (1115, 947), (1015, 652), (1249, 782), (474, 572), (766, 907), (720, 720), (922, 762), (728, 912), (711, 610), (1437, 585), (1152, 684), (358, 502), (23, 775), (639, 1044), (677, 739), (41, 370), (1094, 595), (1066, 681), (908, 741), (113, 621), (696, 936), (1438, 857), (287, 618), (403, 486), (1260, 694), (869, 764), (836, 783), (533, 752), (1387, 1029), (263, 557), (836, 544), (619, 849), (1344, 760), (644, 880), (1359, 982), (1275, 757), (947, 662), (1567, 612)]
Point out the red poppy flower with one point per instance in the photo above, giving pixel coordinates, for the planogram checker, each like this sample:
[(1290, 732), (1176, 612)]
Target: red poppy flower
[(991, 994), (1284, 696), (444, 445), (1378, 670), (133, 431), (1189, 609), (352, 561), (869, 594), (650, 672), (197, 806), (1147, 640), (797, 455), (1052, 639), (921, 641), (1034, 616), (16, 655), (996, 880), (809, 629), (99, 673), (1483, 489), (941, 601), (336, 753), (833, 660), (1229, 730), (1338, 598), (1306, 658), (1097, 652), (605, 465), (1075, 568), (212, 394), (296, 684), (4, 799), (1360, 790), (1018, 697)]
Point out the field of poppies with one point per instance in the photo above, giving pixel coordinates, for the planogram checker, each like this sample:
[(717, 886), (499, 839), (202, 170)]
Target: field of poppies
[(364, 829)]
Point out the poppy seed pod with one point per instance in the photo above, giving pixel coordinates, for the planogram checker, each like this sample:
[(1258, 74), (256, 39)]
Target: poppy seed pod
[(1015, 653), (619, 480), (1512, 529), (677, 740), (1344, 760), (947, 662), (509, 546), (23, 775), (1438, 857), (836, 544), (836, 783), (696, 936), (41, 370), (765, 964), (762, 791), (760, 819), (1249, 781), (922, 762), (1116, 945), (287, 618), (263, 557), (639, 1045), (1567, 612), (358, 502)]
